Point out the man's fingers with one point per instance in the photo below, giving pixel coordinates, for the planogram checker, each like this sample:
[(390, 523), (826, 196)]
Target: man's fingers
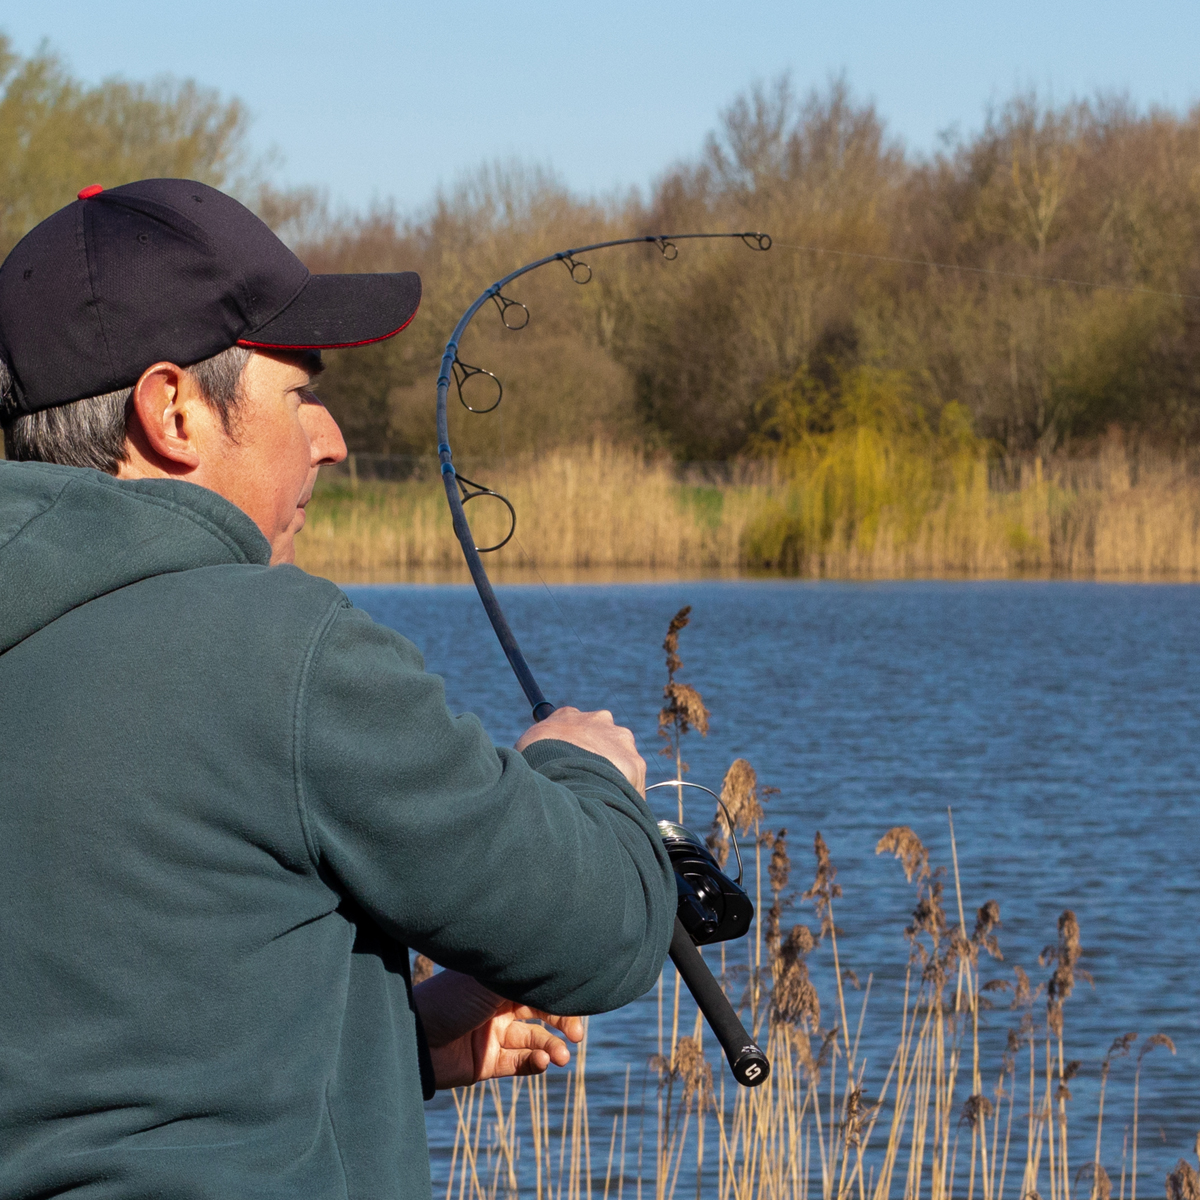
[(522, 1062), (532, 1039), (570, 1027)]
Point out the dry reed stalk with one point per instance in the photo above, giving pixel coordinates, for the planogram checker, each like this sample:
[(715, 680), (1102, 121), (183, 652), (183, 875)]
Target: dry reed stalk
[(1119, 1049), (1155, 1039)]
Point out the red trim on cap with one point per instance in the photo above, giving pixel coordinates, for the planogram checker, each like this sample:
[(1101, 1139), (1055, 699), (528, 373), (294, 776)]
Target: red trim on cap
[(325, 345), (92, 189)]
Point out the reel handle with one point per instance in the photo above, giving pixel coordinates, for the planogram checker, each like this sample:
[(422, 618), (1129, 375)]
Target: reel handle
[(747, 1062)]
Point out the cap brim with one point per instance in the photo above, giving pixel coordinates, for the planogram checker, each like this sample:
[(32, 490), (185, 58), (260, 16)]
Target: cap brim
[(332, 311)]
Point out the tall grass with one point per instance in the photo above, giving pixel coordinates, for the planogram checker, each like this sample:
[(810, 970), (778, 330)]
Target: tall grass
[(864, 507), (594, 508), (938, 1120)]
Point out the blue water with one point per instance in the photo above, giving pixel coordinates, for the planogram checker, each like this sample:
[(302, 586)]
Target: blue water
[(1059, 721)]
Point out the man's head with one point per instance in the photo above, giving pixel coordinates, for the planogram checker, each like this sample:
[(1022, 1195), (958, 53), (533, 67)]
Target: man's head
[(161, 329)]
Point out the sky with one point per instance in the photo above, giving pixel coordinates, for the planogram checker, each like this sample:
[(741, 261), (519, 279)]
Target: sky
[(376, 102)]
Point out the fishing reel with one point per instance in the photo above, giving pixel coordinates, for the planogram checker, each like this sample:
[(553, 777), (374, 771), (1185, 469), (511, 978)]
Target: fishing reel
[(712, 907)]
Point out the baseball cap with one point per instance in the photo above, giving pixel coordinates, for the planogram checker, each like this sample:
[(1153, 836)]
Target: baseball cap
[(174, 270)]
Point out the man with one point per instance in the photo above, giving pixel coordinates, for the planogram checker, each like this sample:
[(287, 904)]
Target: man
[(229, 802)]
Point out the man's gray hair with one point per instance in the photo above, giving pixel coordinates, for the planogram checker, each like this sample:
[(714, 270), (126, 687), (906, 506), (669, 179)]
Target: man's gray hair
[(91, 432)]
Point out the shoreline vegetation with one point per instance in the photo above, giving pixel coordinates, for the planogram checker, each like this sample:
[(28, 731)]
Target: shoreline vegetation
[(867, 508), (977, 363), (975, 1101)]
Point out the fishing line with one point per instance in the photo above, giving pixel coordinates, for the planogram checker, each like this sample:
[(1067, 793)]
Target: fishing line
[(1061, 280)]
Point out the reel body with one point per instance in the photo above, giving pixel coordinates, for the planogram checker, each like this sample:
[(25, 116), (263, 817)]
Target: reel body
[(712, 907)]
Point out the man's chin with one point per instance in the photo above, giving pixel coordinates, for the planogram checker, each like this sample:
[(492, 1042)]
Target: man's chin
[(283, 547)]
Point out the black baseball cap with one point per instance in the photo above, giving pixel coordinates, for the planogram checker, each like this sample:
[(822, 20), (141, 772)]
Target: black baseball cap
[(174, 270)]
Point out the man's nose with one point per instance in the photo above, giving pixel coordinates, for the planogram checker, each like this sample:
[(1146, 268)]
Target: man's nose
[(328, 445)]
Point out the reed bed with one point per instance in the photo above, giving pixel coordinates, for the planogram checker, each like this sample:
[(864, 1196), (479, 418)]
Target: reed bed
[(872, 514), (938, 1120)]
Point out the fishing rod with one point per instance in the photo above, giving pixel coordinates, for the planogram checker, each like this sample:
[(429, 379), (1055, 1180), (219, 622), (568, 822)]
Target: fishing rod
[(711, 907)]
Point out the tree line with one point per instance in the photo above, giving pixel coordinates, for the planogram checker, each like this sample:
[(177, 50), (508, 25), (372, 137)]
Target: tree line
[(1032, 284)]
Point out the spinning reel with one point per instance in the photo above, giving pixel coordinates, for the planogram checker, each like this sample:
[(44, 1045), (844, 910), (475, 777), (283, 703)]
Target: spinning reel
[(712, 907)]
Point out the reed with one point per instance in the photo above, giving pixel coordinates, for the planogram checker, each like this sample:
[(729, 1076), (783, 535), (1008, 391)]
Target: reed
[(937, 1121), (863, 509)]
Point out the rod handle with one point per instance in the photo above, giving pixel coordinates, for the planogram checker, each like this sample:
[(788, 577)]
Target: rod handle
[(747, 1062)]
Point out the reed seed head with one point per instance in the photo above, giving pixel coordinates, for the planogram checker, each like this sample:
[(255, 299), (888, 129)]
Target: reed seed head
[(694, 1072), (1065, 956), (828, 1046), (1118, 1049), (908, 848), (824, 890), (803, 1048), (1069, 1072), (717, 840), (1183, 1183), (987, 920), (684, 708), (975, 1109), (683, 711), (671, 643), (740, 795), (929, 916), (1155, 1039), (794, 999), (1023, 994), (800, 942), (771, 933), (1101, 1183), (781, 865), (852, 1122)]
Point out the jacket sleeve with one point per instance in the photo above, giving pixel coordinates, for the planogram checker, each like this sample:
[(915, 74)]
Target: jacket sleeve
[(542, 875)]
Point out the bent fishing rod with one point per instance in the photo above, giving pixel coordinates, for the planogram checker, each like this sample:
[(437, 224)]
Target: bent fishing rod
[(711, 907)]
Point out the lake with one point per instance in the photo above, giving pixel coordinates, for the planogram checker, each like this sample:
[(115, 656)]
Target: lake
[(1060, 722)]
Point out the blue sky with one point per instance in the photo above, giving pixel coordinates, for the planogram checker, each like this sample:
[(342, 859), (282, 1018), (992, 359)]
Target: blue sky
[(374, 101)]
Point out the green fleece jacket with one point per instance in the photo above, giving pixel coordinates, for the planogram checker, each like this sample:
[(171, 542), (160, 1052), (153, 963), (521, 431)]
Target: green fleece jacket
[(229, 803)]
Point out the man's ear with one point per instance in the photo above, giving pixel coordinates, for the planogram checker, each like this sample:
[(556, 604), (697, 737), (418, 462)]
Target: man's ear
[(163, 424)]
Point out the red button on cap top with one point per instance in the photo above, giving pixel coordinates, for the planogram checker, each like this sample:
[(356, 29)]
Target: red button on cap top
[(92, 189)]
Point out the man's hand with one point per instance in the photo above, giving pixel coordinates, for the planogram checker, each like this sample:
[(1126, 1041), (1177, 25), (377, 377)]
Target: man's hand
[(473, 1034), (594, 731), (506, 1044)]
